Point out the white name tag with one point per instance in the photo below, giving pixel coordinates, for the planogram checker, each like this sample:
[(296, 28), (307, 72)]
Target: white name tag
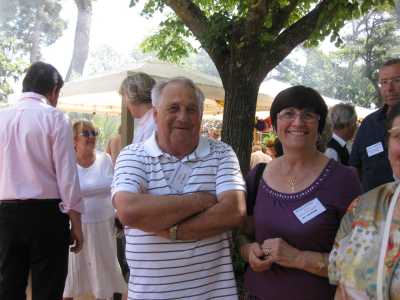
[(309, 210), (180, 177), (374, 149)]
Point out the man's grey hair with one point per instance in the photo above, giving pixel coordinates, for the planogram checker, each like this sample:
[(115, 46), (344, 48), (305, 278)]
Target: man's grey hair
[(137, 88), (342, 115), (159, 87)]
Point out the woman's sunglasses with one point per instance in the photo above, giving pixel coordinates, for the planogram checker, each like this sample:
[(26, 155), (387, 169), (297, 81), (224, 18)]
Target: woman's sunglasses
[(89, 133)]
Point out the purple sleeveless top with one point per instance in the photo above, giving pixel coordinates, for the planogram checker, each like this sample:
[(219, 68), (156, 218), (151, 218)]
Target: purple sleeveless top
[(335, 188)]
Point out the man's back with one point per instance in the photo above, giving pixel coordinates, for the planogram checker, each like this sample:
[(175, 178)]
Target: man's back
[(34, 138)]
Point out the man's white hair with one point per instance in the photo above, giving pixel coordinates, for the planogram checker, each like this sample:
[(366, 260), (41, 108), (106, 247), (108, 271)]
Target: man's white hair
[(159, 87)]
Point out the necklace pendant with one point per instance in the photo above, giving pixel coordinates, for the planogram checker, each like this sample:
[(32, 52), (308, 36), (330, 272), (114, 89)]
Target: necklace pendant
[(292, 184)]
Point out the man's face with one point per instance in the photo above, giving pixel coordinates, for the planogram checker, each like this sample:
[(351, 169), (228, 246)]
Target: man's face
[(178, 119), (389, 84)]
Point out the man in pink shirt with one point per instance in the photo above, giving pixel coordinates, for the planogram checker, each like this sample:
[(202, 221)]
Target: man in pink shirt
[(39, 190)]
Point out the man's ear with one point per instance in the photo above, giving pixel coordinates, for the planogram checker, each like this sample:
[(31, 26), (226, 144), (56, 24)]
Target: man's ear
[(53, 96), (155, 113)]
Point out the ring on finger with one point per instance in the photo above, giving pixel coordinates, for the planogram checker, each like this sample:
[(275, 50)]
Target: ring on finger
[(267, 251)]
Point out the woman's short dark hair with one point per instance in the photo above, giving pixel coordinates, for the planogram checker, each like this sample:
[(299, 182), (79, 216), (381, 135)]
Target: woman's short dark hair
[(300, 97), (41, 78)]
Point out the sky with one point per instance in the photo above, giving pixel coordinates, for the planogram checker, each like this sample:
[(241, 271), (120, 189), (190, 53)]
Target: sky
[(114, 24)]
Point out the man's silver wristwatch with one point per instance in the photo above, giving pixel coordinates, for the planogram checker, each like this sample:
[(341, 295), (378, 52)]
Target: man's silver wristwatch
[(173, 232)]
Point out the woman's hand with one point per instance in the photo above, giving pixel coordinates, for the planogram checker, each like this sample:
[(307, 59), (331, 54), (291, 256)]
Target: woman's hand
[(280, 252), (254, 255)]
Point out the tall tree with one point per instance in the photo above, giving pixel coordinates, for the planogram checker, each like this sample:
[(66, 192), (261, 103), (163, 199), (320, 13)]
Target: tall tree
[(32, 24), (246, 40), (349, 72), (82, 39)]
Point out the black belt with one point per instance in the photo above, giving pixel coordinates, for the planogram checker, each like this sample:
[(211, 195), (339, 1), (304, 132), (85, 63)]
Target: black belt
[(30, 201)]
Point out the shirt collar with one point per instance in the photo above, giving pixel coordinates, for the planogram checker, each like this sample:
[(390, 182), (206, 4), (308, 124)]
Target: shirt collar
[(202, 149), (338, 139), (33, 96), (382, 112), (147, 116)]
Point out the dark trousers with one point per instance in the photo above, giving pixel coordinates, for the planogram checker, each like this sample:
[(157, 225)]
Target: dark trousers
[(33, 236), (121, 243)]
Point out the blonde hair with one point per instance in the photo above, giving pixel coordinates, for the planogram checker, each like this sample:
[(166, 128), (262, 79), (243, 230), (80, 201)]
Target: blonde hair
[(78, 125)]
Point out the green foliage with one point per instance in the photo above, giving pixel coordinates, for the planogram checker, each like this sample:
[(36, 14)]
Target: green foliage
[(26, 20), (170, 42), (350, 72), (173, 41), (11, 65)]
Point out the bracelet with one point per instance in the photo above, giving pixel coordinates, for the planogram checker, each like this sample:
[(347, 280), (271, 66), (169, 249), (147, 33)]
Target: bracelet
[(173, 232)]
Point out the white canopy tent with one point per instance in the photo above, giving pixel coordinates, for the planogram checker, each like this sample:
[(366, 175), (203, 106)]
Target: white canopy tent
[(100, 94)]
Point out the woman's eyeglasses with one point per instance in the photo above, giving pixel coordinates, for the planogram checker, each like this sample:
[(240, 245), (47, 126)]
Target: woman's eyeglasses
[(89, 133), (290, 115)]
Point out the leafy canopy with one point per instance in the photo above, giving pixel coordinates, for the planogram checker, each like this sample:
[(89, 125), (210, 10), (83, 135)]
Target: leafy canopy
[(172, 41)]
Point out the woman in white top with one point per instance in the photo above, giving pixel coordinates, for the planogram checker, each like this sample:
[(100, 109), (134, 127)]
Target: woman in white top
[(95, 270)]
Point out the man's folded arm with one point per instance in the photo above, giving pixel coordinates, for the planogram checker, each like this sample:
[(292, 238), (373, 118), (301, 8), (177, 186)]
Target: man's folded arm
[(153, 213), (227, 214)]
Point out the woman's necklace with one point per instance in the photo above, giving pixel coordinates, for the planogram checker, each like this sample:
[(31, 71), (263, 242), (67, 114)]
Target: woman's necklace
[(292, 184)]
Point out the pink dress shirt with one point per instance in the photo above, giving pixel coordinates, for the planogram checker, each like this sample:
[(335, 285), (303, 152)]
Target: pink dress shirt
[(37, 159)]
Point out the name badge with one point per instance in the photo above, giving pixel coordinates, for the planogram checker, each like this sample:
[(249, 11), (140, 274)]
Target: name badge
[(180, 177), (309, 210), (374, 149)]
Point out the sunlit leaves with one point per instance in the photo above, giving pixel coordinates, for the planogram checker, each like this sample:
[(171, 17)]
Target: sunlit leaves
[(11, 65), (223, 16), (170, 41)]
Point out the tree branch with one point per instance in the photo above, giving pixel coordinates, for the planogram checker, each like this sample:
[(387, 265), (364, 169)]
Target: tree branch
[(191, 15), (298, 32), (255, 18), (194, 18), (280, 18)]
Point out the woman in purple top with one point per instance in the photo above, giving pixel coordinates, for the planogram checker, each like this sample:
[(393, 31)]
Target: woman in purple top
[(301, 199)]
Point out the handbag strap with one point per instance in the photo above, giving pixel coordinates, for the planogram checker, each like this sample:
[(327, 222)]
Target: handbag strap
[(252, 193), (384, 243)]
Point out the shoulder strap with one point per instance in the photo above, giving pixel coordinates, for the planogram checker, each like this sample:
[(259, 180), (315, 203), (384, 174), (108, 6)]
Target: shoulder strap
[(252, 193)]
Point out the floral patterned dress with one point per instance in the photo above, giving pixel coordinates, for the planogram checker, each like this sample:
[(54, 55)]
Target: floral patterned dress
[(353, 261)]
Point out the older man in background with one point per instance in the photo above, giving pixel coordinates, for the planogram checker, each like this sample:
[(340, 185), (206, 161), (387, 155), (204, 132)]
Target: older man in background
[(343, 119), (180, 195), (39, 190), (369, 152)]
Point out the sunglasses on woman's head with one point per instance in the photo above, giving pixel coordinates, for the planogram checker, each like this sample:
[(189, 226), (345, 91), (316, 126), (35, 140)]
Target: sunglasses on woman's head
[(89, 133)]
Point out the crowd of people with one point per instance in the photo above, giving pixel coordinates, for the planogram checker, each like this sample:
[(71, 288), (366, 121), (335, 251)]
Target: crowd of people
[(315, 219)]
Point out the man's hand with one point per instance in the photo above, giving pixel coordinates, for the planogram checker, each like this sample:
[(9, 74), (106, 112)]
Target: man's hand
[(76, 239)]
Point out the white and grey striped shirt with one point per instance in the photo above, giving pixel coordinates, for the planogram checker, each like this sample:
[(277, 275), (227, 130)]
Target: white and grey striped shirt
[(165, 269)]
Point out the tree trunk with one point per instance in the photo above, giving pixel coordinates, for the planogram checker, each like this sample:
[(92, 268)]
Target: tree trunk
[(82, 39), (397, 9), (35, 53), (239, 110)]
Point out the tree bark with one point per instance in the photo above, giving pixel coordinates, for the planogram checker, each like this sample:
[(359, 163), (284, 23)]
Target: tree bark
[(240, 102), (82, 39), (35, 53)]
